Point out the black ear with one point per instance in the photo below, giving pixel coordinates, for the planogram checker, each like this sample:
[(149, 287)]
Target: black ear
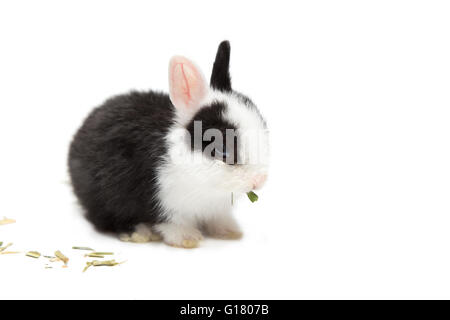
[(220, 77)]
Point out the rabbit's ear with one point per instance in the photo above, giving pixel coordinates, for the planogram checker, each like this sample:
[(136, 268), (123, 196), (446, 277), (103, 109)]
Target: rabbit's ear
[(220, 77), (186, 83)]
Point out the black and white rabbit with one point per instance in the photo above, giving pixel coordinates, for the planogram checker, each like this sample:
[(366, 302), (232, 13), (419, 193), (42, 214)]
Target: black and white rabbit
[(137, 174)]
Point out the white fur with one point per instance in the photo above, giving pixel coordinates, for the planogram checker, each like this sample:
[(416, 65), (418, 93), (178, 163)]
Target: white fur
[(196, 190), (222, 226), (180, 235)]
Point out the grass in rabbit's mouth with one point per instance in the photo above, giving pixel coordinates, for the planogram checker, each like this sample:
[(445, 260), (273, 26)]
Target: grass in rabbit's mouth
[(252, 196)]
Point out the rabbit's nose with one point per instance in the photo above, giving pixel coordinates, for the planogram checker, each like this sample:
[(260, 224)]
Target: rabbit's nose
[(259, 180)]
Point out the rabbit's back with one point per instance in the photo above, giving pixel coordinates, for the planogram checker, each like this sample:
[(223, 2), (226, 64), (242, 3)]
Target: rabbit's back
[(114, 156)]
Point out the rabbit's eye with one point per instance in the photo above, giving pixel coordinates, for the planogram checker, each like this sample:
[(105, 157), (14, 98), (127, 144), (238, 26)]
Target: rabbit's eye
[(223, 154)]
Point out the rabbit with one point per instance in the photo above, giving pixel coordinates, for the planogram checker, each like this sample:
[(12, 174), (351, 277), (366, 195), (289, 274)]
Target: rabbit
[(141, 167)]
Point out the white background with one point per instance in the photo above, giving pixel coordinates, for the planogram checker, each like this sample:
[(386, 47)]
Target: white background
[(357, 97)]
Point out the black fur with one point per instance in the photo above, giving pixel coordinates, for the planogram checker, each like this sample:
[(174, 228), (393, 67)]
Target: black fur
[(220, 76), (113, 158), (211, 117)]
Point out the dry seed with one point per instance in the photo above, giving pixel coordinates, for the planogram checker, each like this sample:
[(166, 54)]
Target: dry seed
[(5, 247), (83, 248), (62, 257), (93, 255), (9, 252), (33, 254), (6, 221), (98, 263)]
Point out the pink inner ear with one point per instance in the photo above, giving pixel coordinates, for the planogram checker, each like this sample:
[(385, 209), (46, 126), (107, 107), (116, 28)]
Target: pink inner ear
[(187, 84)]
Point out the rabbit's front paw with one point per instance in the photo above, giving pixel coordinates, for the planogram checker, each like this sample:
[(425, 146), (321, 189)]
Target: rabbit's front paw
[(179, 236)]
